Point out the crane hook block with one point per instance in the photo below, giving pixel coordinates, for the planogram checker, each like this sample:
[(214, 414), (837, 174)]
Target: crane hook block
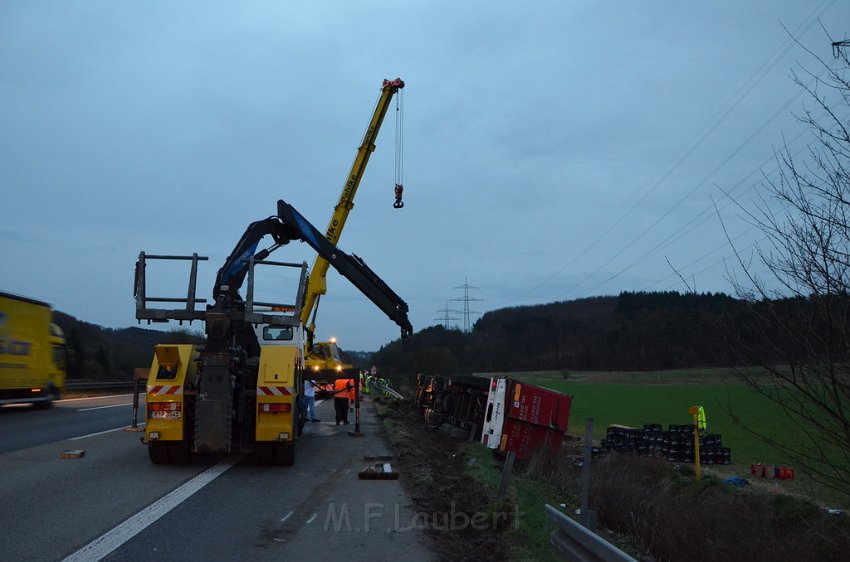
[(396, 84), (398, 191)]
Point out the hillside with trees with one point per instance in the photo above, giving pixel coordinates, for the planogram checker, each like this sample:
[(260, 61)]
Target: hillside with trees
[(106, 353), (630, 332)]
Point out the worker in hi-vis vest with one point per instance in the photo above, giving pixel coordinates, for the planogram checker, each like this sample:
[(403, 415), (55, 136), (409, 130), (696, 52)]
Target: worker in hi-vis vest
[(342, 388), (701, 424)]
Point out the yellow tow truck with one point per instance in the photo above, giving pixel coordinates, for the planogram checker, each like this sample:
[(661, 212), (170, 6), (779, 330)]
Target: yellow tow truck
[(243, 389)]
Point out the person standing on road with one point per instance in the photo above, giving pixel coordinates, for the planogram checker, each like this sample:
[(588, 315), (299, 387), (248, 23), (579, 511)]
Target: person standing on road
[(351, 396), (310, 397), (341, 389)]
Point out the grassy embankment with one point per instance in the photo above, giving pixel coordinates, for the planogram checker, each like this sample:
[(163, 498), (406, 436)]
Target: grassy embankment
[(659, 397), (664, 397)]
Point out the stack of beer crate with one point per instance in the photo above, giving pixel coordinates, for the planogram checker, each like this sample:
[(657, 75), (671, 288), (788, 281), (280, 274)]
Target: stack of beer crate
[(675, 445)]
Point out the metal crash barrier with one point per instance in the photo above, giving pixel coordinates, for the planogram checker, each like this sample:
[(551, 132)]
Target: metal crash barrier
[(383, 390), (579, 544)]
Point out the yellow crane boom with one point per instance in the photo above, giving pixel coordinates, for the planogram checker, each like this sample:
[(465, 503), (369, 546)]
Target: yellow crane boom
[(317, 283)]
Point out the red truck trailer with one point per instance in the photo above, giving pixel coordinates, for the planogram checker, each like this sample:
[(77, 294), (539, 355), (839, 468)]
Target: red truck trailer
[(523, 418)]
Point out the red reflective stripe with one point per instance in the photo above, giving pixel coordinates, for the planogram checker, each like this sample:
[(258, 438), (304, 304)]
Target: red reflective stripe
[(172, 390), (154, 389), (275, 407)]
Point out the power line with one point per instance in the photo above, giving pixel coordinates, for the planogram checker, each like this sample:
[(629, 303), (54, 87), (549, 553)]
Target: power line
[(684, 152), (693, 190)]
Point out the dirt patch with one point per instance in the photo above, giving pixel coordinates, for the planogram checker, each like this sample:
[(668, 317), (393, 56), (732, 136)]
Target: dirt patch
[(464, 521)]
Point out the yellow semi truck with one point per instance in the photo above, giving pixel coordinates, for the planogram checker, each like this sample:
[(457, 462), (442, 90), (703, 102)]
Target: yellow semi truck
[(32, 352)]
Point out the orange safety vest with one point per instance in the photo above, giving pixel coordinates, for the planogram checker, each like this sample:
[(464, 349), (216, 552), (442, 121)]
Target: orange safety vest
[(340, 386), (351, 392)]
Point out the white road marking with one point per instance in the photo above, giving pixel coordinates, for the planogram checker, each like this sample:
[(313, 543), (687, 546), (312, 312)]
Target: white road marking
[(311, 519), (285, 517), (123, 532), (92, 398), (94, 434), (104, 407)]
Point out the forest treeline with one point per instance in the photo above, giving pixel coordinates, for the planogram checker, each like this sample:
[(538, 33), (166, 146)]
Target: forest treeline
[(630, 332), (105, 353), (635, 331)]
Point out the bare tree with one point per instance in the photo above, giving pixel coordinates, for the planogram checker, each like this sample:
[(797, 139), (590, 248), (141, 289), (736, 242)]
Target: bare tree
[(800, 306)]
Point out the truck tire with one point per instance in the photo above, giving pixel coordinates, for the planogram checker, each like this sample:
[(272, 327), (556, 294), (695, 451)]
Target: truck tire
[(264, 452), (178, 452), (48, 403), (459, 433), (158, 453), (281, 454), (285, 454)]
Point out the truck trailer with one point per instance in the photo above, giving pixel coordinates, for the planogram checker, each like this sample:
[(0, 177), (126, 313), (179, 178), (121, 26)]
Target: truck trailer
[(32, 352)]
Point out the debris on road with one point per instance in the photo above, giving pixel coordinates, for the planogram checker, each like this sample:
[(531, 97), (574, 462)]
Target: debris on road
[(378, 471), (73, 454)]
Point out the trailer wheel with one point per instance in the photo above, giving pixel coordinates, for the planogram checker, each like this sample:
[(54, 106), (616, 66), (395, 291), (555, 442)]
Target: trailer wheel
[(158, 452)]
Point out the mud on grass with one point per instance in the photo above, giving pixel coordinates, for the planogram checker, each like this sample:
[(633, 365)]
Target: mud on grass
[(455, 483)]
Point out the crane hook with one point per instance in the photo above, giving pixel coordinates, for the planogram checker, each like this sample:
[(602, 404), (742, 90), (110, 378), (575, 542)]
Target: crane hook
[(398, 202)]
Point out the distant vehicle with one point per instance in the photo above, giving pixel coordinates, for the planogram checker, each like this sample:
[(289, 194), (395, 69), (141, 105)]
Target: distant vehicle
[(324, 365), (33, 356)]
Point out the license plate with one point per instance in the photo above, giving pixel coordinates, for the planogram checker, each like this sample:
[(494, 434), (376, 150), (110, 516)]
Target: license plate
[(171, 414)]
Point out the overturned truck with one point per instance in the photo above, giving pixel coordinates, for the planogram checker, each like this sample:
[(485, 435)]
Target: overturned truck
[(504, 414)]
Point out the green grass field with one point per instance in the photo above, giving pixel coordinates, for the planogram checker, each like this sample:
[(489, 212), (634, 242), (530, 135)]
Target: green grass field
[(668, 403)]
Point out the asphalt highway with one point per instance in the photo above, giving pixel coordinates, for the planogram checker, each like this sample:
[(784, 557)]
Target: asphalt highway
[(111, 503)]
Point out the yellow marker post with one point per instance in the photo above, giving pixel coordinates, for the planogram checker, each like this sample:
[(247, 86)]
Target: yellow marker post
[(694, 411)]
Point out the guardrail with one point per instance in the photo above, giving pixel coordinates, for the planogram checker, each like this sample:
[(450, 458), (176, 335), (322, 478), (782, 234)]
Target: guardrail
[(98, 385), (384, 389), (578, 544)]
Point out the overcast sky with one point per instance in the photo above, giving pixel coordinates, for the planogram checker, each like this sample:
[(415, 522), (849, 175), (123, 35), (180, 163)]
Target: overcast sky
[(552, 150)]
